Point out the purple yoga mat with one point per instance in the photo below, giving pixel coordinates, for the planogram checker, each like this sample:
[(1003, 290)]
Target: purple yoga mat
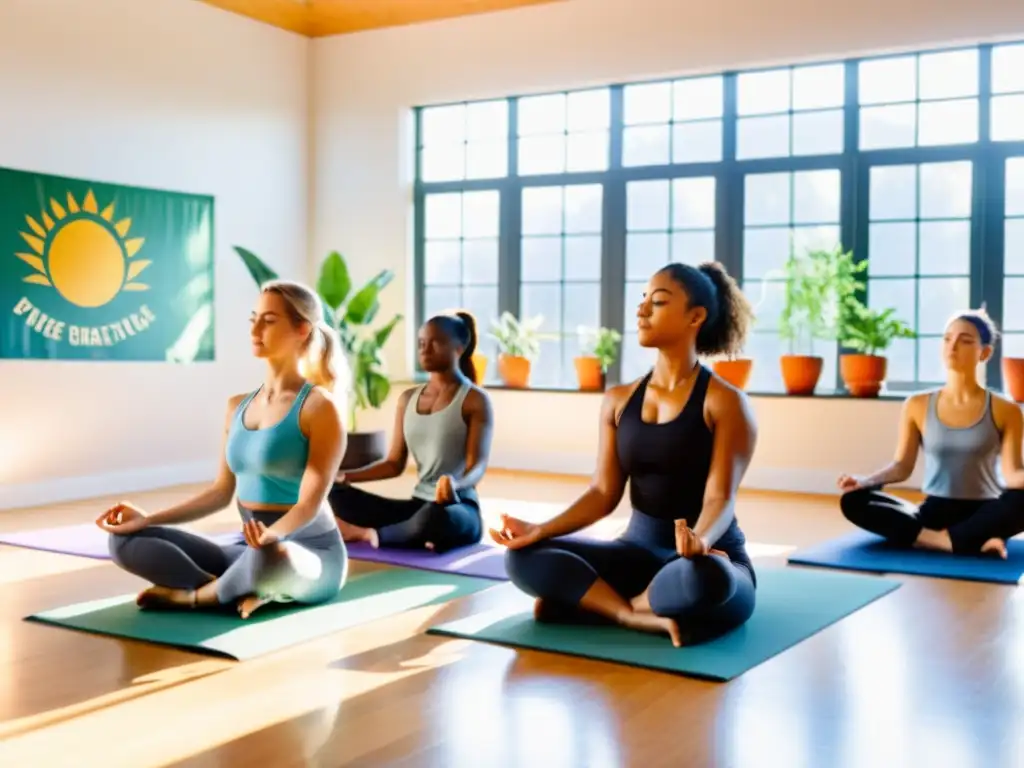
[(478, 560), (84, 540)]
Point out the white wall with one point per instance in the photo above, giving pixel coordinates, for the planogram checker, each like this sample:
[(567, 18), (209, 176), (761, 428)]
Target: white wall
[(171, 94), (364, 86)]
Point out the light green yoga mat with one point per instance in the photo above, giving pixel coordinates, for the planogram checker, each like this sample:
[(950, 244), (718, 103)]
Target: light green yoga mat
[(364, 598), (792, 605)]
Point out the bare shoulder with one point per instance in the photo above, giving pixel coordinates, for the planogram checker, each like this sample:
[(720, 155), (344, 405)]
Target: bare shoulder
[(477, 400), (916, 405), (615, 399), (726, 400), (1005, 411), (235, 401), (321, 404)]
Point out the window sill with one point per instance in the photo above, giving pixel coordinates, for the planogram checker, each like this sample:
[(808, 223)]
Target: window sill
[(819, 395)]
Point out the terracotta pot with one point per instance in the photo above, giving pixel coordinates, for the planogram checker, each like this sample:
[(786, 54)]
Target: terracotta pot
[(1013, 377), (800, 373), (480, 365), (863, 374), (589, 374), (514, 371), (736, 372), (364, 448)]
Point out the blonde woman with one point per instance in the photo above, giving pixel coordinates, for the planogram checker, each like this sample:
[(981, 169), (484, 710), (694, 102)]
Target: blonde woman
[(282, 449)]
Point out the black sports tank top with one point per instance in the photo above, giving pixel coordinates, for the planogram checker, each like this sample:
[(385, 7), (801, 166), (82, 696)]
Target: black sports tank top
[(668, 466)]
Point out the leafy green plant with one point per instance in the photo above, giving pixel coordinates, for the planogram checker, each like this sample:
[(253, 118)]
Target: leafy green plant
[(819, 286), (517, 337), (602, 343), (870, 331), (350, 314)]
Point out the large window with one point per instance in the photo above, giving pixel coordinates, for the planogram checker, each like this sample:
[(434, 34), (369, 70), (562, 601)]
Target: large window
[(563, 204)]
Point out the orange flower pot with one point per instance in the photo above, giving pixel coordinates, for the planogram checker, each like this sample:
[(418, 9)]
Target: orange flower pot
[(514, 371), (589, 374), (480, 366), (736, 372), (1013, 377), (800, 373), (863, 374)]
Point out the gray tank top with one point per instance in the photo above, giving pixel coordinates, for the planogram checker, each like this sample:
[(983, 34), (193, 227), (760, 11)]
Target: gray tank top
[(437, 442), (961, 463)]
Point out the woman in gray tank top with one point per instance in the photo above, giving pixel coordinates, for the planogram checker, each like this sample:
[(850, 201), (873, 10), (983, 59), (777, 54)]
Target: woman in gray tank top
[(973, 473), (446, 425)]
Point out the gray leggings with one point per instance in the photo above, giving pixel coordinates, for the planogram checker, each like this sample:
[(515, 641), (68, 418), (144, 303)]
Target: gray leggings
[(312, 569)]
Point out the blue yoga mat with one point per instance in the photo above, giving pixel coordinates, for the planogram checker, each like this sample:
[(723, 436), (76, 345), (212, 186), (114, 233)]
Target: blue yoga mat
[(862, 551), (792, 605)]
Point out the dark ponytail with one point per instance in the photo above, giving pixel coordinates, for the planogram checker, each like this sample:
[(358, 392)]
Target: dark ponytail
[(460, 326), (729, 312)]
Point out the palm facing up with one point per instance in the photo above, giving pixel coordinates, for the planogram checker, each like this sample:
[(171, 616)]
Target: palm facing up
[(515, 533)]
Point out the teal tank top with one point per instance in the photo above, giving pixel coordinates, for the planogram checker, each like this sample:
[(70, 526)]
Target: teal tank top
[(961, 462), (268, 464)]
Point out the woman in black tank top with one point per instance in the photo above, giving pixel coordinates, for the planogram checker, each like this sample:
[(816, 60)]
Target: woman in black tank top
[(683, 438)]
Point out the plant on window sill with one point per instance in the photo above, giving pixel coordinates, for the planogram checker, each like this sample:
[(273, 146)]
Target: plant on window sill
[(518, 347), (599, 347), (869, 331)]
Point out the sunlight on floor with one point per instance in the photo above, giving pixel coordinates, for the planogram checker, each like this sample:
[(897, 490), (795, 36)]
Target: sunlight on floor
[(21, 565)]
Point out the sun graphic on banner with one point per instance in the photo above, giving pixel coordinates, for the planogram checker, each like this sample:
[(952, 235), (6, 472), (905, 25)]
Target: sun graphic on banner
[(82, 253)]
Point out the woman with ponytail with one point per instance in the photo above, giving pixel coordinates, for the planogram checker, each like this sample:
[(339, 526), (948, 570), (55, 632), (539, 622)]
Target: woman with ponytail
[(283, 446), (446, 425), (683, 438)]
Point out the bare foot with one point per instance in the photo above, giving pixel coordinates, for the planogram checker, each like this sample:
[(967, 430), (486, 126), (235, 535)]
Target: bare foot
[(994, 547), (643, 621), (936, 540), (249, 604), (351, 532), (165, 597)]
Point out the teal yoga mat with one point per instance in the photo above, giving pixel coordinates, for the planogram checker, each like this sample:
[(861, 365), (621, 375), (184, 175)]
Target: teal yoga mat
[(364, 598), (792, 605)]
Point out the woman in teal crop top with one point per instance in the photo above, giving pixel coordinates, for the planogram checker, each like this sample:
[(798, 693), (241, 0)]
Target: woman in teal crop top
[(973, 472), (282, 450), (446, 425)]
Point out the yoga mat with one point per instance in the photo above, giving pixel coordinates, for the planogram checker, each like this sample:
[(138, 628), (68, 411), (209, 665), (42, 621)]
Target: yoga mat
[(863, 551), (791, 606), (479, 560), (364, 598), (84, 540)]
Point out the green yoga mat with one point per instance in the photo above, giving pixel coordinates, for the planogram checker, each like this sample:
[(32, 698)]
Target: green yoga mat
[(364, 598), (792, 605)]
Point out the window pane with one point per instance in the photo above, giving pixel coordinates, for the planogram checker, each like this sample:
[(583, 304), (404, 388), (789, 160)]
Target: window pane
[(443, 162), (816, 197), (487, 120), (819, 87), (1014, 249), (542, 210), (486, 160), (948, 74), (582, 307), (634, 295), (542, 154), (697, 142), (760, 93), (766, 198), (589, 109), (636, 360), (948, 122), (482, 303), (443, 215), (929, 361), (1008, 118), (765, 250), (900, 360), (900, 295), (884, 81), (892, 249), (893, 192), (693, 203), (888, 127), (646, 253), (546, 370), (541, 259), (542, 114), (583, 208), (946, 190), (1013, 310), (587, 151), (647, 204), (762, 137), (765, 349), (647, 103), (818, 133), (480, 215), (815, 238), (697, 97), (945, 248), (443, 125), (1015, 186), (938, 298), (480, 262), (543, 299), (645, 145), (693, 248), (1008, 68), (438, 300), (441, 262), (582, 257), (768, 297)]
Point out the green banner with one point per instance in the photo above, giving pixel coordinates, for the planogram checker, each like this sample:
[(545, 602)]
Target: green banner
[(94, 271)]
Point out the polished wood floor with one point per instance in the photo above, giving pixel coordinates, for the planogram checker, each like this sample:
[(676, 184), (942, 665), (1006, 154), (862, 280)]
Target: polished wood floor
[(932, 675)]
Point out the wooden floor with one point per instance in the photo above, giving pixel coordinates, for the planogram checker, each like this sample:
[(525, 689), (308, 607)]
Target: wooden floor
[(932, 675)]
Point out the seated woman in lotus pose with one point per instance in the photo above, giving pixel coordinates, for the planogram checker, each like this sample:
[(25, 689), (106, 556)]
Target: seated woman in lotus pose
[(683, 438), (283, 446), (966, 433), (446, 424)]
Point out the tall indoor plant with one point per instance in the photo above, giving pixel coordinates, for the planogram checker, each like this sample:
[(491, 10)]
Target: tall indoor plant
[(351, 314), (869, 331)]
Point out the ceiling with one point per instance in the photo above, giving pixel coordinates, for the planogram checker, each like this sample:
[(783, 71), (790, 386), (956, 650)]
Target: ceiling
[(319, 18)]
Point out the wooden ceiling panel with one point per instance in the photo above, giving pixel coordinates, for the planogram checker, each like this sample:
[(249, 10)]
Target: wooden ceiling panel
[(320, 18)]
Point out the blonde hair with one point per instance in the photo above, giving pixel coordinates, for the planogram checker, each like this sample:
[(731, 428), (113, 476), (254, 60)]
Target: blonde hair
[(322, 362)]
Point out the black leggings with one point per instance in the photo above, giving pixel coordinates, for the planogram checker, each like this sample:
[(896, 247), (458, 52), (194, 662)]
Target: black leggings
[(970, 522), (707, 596), (409, 523)]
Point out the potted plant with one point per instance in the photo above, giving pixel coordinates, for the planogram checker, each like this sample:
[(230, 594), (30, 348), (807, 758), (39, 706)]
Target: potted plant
[(869, 331), (351, 314), (734, 369), (817, 284), (599, 349), (518, 345), (1013, 377)]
